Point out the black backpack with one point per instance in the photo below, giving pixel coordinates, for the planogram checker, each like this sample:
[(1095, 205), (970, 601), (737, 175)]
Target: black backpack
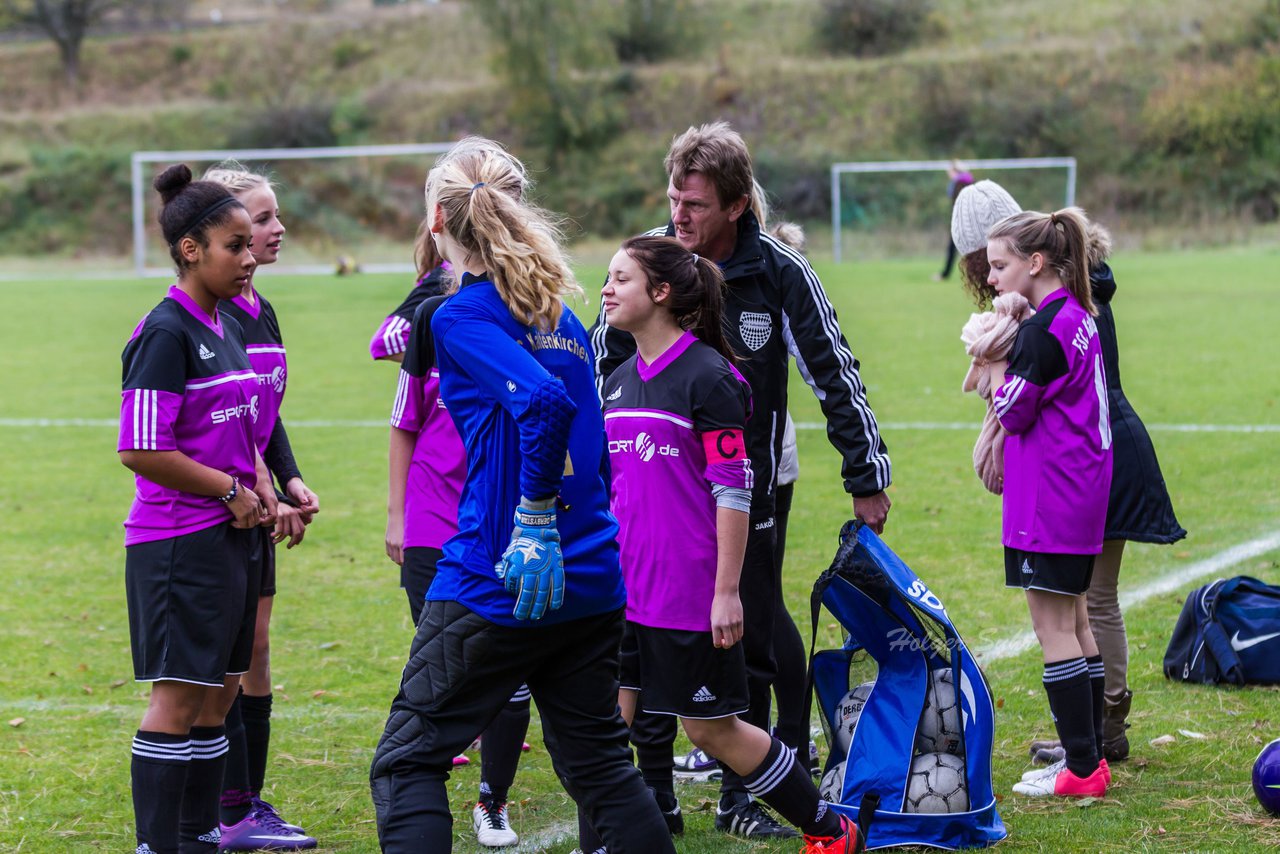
[(1228, 632)]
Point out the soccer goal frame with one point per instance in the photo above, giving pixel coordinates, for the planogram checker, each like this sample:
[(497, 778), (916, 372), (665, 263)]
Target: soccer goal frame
[(862, 167), (252, 155)]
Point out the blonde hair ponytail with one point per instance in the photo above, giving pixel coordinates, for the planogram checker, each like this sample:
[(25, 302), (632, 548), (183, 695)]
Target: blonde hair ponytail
[(480, 188)]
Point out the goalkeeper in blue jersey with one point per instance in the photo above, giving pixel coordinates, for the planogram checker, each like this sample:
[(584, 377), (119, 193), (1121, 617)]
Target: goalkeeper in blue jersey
[(529, 590)]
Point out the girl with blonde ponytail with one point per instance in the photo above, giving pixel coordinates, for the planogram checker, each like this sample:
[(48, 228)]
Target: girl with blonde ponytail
[(1052, 400), (540, 601)]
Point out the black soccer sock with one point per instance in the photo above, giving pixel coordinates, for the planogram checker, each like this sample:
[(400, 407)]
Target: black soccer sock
[(1071, 703), (500, 747), (653, 737), (256, 712), (198, 823), (237, 795), (158, 770), (1098, 684), (785, 784)]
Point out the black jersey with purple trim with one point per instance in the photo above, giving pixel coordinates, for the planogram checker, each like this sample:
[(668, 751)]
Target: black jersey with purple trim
[(675, 428), (265, 346), (775, 307), (187, 386), (392, 336)]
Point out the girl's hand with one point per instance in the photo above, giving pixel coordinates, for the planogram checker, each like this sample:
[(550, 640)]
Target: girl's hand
[(308, 502), (289, 525), (726, 620), (246, 507), (266, 493), (395, 539)]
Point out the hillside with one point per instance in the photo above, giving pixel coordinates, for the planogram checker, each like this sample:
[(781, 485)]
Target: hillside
[(1172, 110)]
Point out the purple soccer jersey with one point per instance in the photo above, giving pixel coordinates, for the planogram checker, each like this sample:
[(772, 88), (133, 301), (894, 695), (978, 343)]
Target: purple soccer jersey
[(674, 428), (1057, 458), (187, 386), (438, 467), (392, 336), (265, 346)]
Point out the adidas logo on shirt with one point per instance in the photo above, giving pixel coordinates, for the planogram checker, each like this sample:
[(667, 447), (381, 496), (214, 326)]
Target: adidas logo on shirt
[(617, 394), (205, 352), (702, 695), (1026, 567)]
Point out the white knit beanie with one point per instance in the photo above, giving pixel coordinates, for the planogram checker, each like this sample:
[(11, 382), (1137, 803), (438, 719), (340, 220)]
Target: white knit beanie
[(978, 207)]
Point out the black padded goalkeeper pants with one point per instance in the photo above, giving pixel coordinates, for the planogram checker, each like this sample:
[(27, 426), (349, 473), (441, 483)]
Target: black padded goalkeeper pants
[(462, 670)]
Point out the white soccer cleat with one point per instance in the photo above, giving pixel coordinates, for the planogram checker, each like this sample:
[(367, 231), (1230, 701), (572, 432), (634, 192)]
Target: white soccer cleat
[(492, 827), (1046, 771)]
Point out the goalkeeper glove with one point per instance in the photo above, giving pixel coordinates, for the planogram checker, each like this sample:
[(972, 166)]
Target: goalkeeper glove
[(532, 567)]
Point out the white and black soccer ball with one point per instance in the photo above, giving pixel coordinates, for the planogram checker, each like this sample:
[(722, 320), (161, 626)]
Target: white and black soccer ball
[(832, 787), (847, 712), (937, 784), (940, 729)]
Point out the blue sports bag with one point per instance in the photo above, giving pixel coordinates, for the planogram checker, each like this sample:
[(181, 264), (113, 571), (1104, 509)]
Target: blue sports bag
[(891, 616), (1228, 632)]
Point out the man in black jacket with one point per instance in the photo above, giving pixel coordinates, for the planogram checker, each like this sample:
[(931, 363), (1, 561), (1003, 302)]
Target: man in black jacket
[(775, 308)]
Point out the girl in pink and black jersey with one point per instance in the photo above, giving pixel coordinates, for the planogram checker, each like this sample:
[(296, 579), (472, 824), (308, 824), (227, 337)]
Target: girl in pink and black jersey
[(391, 339), (675, 416), (428, 466), (247, 822), (1052, 399), (190, 403)]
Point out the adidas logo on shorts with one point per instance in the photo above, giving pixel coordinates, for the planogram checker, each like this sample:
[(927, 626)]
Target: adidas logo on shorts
[(205, 352), (144, 848), (702, 695), (214, 836), (1026, 567)]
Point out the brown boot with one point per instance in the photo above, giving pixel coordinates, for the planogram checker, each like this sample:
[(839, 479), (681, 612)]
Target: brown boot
[(1115, 743)]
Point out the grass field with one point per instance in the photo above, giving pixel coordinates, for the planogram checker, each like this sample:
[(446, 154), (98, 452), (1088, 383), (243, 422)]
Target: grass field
[(1193, 329)]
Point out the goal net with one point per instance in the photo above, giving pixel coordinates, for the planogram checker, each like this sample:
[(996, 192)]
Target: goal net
[(901, 206), (362, 203)]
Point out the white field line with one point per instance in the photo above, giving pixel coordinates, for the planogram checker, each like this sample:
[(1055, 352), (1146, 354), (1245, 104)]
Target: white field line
[(888, 426), (1223, 560)]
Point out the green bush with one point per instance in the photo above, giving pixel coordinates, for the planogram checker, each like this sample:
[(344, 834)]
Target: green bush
[(653, 30), (871, 27)]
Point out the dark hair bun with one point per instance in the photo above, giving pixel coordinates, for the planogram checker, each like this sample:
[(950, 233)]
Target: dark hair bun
[(172, 181)]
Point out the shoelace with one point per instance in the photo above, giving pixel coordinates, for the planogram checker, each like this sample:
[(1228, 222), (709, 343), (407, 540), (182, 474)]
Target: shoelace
[(493, 813), (761, 815), (267, 817)]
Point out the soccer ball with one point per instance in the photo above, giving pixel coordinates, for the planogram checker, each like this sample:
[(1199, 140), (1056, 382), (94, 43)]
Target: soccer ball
[(1266, 777), (847, 712), (833, 784), (937, 784), (940, 730)]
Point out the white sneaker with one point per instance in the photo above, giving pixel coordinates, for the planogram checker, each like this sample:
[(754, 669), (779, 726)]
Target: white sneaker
[(1046, 771), (492, 827)]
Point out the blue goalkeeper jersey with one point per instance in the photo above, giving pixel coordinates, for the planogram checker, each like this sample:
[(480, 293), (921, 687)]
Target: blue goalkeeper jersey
[(526, 407)]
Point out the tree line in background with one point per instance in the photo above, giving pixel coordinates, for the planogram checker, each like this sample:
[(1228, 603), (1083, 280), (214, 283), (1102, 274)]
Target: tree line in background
[(590, 91)]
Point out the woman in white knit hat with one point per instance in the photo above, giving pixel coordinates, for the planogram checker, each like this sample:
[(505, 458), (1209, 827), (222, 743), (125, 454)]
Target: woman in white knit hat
[(1139, 508)]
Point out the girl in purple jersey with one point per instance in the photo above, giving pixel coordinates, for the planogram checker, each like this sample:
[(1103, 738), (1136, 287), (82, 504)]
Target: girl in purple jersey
[(428, 466), (191, 573), (1052, 400), (247, 822), (675, 417), (391, 338)]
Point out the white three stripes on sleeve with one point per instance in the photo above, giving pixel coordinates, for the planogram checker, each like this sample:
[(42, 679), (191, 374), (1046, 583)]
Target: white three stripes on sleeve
[(402, 398), (146, 407), (391, 339)]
